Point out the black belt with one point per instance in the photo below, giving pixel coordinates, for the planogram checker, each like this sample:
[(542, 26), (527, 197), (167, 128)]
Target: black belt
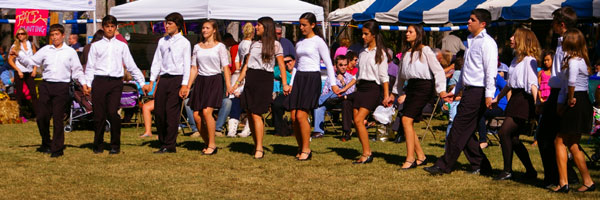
[(169, 76), (107, 77), (468, 87)]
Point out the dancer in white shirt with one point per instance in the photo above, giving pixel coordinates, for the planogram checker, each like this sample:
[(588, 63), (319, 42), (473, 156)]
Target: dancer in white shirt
[(172, 64), (24, 74), (61, 64), (104, 79)]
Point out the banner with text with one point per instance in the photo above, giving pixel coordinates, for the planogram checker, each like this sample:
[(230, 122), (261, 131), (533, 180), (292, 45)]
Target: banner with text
[(33, 20)]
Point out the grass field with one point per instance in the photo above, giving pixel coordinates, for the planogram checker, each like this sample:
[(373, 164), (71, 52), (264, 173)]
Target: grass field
[(234, 174)]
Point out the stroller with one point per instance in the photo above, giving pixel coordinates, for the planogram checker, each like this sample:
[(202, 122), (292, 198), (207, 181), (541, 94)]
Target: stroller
[(81, 107)]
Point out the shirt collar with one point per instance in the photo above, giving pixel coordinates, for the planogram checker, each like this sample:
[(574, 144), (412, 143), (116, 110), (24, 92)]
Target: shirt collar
[(480, 35), (61, 47), (174, 37)]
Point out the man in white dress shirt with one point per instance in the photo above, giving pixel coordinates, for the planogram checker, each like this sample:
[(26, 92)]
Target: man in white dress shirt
[(60, 63), (478, 84), (104, 79), (172, 63)]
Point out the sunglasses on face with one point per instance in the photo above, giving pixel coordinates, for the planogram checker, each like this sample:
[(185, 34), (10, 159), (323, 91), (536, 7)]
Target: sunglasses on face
[(287, 61), (21, 33)]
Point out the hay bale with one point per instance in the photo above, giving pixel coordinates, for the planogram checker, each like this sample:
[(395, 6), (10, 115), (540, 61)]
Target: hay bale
[(9, 111)]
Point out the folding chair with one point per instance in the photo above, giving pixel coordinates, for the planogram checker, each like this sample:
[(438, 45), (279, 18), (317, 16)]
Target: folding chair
[(182, 116), (330, 120), (428, 122)]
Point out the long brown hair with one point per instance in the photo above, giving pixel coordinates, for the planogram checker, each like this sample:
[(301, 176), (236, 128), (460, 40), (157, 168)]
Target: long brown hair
[(267, 38), (216, 35), (373, 27), (418, 44), (17, 43), (526, 44), (574, 46)]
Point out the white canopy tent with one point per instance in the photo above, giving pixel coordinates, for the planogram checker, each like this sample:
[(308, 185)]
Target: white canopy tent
[(246, 10), (60, 5)]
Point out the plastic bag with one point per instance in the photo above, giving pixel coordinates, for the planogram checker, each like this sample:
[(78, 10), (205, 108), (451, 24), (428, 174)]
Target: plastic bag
[(383, 115)]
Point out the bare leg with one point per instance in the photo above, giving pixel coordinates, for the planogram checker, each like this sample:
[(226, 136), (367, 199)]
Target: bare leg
[(200, 127), (258, 130), (297, 133), (147, 109), (363, 135), (210, 129), (579, 159), (561, 160), (304, 126)]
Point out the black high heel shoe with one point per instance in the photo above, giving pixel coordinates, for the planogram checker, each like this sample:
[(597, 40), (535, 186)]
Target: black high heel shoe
[(307, 158), (215, 149), (563, 189), (368, 160), (423, 162), (261, 156), (413, 165), (588, 188)]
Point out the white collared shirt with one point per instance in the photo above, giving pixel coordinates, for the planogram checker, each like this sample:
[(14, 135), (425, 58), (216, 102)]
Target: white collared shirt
[(481, 64), (575, 76), (523, 74), (555, 79), (29, 52), (421, 66), (173, 57), (210, 61), (106, 58), (255, 60), (58, 64), (369, 70), (310, 52)]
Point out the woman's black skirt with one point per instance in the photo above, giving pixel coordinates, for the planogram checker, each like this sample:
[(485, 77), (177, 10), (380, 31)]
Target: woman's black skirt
[(577, 119), (368, 95), (305, 92), (258, 91), (419, 92), (520, 105), (207, 92)]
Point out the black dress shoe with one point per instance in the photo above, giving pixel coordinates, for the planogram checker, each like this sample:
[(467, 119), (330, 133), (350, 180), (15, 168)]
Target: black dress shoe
[(434, 170), (588, 188), (165, 150), (57, 154), (563, 189), (413, 165), (475, 172), (44, 150), (368, 160), (114, 151), (98, 151), (504, 175), (261, 156)]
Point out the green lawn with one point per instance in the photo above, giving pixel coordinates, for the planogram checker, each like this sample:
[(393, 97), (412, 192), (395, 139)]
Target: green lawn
[(234, 174)]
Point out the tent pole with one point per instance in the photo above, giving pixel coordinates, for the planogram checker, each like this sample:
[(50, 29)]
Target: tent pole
[(95, 26)]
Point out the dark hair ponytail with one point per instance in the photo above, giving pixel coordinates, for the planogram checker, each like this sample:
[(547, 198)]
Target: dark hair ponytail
[(312, 19), (373, 27)]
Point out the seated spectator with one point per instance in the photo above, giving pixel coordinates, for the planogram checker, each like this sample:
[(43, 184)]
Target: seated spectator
[(282, 126), (147, 109), (329, 99), (352, 61), (496, 111), (343, 49)]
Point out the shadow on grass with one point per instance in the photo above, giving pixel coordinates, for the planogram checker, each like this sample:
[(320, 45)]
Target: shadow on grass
[(242, 147), (284, 149), (192, 145), (151, 143)]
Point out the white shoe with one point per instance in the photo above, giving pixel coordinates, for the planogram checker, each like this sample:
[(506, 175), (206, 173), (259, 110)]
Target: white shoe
[(232, 127), (246, 132)]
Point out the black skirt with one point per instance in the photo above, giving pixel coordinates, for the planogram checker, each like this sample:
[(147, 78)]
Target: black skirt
[(207, 92), (577, 119), (368, 95), (520, 105), (305, 92), (419, 92), (258, 91)]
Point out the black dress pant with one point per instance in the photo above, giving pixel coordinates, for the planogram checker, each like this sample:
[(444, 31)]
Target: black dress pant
[(549, 126), (54, 102), (282, 126), (462, 135), (106, 99), (29, 81), (344, 102), (167, 109)]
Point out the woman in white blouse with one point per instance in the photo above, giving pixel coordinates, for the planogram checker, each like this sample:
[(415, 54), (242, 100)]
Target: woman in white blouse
[(258, 65), (306, 81), (574, 108), (24, 74), (425, 76), (372, 75), (523, 85), (210, 62)]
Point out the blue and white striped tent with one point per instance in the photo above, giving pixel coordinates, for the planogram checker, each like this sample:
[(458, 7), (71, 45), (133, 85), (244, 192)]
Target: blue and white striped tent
[(458, 11)]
